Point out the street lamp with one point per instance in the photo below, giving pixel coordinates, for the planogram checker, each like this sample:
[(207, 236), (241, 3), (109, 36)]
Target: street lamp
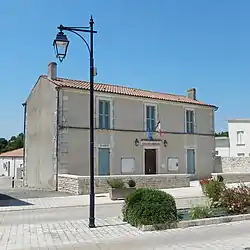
[(61, 44)]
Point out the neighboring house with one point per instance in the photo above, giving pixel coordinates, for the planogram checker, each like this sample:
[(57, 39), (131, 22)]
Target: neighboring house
[(57, 131), (11, 163), (222, 146), (239, 134)]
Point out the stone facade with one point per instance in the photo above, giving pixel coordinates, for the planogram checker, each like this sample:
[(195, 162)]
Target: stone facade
[(232, 164), (75, 184)]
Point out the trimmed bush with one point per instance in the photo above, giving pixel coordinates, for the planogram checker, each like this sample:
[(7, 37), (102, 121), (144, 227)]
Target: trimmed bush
[(116, 183), (131, 183), (148, 206)]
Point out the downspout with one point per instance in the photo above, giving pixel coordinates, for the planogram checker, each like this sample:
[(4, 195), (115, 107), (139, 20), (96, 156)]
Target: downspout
[(57, 134), (24, 143)]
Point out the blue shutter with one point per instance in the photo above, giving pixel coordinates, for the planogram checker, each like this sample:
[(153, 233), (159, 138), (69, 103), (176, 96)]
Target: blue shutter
[(101, 114), (107, 115), (113, 115)]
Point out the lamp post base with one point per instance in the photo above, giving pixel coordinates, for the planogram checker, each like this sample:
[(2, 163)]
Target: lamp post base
[(91, 222)]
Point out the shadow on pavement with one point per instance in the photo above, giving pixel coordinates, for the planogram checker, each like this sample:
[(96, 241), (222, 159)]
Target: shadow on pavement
[(113, 225), (6, 200)]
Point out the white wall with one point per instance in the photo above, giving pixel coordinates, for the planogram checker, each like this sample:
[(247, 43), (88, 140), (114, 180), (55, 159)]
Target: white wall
[(222, 146), (233, 127), (15, 163), (222, 151)]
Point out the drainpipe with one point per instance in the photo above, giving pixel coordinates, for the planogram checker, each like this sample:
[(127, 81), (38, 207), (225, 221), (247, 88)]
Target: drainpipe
[(57, 134), (24, 139)]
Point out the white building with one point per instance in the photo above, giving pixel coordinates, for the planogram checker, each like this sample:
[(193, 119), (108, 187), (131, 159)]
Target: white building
[(11, 163), (239, 134), (222, 146), (238, 142)]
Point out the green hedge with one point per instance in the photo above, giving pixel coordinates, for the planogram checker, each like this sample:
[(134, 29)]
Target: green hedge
[(148, 206)]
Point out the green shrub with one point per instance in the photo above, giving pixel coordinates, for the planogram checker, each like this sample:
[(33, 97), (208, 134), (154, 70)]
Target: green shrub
[(131, 183), (214, 189), (236, 200), (200, 212), (116, 183), (148, 206), (220, 178)]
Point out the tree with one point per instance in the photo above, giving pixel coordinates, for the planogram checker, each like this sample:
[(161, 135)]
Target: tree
[(3, 144), (13, 143), (222, 134)]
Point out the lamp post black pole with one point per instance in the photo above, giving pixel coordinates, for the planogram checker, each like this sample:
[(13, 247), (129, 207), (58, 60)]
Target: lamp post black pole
[(91, 132), (61, 44)]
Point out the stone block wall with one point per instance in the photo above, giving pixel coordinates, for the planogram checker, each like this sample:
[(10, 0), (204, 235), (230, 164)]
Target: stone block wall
[(234, 177), (80, 184), (68, 183), (232, 164)]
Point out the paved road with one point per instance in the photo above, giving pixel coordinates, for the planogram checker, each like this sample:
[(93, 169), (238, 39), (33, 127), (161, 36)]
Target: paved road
[(75, 235), (58, 214)]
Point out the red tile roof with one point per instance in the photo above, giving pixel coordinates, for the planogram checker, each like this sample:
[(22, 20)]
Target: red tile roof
[(13, 153), (122, 90)]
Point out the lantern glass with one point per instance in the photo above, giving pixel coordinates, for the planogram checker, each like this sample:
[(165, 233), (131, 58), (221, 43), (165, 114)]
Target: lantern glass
[(61, 44)]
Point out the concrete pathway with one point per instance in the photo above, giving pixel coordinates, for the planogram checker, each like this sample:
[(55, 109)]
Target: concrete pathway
[(185, 198)]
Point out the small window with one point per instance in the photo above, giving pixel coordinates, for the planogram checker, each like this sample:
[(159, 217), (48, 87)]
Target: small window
[(189, 116), (104, 114), (240, 139), (150, 117), (240, 154)]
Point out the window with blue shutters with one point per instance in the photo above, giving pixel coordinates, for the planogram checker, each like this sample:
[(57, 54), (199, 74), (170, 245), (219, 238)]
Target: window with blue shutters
[(190, 121), (150, 117), (104, 114)]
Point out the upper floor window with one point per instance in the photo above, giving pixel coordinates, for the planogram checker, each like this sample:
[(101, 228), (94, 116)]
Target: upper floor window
[(240, 139), (150, 117), (104, 114), (189, 121)]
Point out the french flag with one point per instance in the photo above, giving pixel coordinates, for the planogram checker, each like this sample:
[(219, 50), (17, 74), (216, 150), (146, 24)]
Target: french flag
[(158, 128)]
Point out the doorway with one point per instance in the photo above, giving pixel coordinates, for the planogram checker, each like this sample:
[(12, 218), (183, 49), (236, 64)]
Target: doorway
[(104, 161), (190, 161), (150, 161)]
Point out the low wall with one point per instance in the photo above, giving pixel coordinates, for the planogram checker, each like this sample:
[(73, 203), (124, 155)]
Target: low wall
[(234, 177), (75, 184), (6, 182), (231, 164)]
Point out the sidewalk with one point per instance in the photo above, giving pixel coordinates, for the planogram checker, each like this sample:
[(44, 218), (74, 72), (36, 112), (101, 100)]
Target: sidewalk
[(185, 198)]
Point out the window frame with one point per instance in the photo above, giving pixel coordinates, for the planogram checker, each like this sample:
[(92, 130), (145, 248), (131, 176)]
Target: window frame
[(240, 154), (186, 122), (241, 141), (148, 104), (105, 99)]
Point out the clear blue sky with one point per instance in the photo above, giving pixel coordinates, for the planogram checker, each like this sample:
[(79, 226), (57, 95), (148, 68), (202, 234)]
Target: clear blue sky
[(162, 45)]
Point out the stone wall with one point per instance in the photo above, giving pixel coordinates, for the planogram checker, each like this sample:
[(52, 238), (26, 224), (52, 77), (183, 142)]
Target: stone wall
[(68, 183), (80, 184), (234, 177), (231, 164)]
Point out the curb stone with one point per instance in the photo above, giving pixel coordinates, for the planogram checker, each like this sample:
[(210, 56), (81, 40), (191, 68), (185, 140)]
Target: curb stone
[(198, 222)]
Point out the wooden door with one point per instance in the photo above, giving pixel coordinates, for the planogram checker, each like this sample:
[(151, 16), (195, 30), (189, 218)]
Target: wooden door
[(150, 161)]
